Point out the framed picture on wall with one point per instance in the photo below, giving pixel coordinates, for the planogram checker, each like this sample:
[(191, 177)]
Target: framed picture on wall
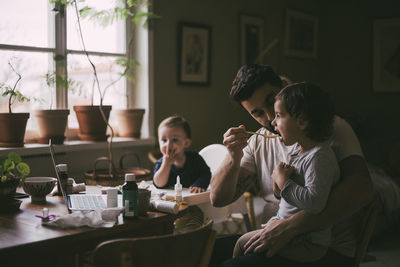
[(301, 34), (251, 38), (194, 51), (386, 55)]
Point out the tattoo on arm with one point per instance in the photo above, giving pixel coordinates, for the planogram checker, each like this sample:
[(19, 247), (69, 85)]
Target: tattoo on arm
[(244, 183)]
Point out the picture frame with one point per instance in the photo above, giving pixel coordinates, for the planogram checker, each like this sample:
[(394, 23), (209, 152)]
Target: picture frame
[(301, 33), (386, 55), (194, 52), (251, 38)]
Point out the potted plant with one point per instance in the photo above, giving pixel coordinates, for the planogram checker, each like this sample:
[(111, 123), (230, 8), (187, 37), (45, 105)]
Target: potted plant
[(51, 122), (13, 125), (12, 173), (100, 114)]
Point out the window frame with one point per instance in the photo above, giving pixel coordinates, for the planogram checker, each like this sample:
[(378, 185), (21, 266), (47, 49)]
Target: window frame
[(134, 96)]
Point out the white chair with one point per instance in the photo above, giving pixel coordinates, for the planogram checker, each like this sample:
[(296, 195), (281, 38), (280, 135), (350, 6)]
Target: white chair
[(232, 219)]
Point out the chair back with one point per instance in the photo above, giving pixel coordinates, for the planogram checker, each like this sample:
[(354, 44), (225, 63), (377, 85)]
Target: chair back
[(192, 248), (213, 155)]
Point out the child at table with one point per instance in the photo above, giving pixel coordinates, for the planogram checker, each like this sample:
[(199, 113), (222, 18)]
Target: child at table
[(174, 137), (304, 117)]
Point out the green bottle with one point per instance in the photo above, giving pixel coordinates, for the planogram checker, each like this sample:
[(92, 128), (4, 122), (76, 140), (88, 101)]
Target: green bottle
[(130, 196)]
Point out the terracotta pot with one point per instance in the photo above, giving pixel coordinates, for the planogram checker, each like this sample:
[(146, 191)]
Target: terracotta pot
[(92, 126), (52, 125), (12, 130), (130, 122)]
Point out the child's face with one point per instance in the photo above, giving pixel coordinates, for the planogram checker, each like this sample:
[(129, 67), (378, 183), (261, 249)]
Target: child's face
[(172, 140), (288, 127)]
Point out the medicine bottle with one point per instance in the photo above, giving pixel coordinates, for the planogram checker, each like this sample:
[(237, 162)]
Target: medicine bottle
[(62, 170), (178, 189), (130, 196)]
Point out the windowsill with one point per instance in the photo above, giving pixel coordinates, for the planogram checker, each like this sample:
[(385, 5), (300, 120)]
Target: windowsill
[(37, 149)]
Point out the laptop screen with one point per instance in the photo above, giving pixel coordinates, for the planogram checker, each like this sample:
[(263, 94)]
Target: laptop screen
[(64, 194)]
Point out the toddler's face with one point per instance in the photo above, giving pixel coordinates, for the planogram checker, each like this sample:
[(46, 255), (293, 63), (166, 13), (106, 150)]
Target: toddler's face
[(287, 126), (172, 140)]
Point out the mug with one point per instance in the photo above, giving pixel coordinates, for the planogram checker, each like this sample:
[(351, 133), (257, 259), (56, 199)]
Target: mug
[(143, 201)]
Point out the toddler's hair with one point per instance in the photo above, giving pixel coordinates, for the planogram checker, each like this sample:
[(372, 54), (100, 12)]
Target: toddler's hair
[(177, 121), (313, 104)]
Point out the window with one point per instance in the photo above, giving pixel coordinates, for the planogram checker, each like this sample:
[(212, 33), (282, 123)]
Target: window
[(38, 35)]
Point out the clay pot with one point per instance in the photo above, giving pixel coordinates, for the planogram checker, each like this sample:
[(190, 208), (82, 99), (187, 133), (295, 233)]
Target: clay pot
[(130, 122), (92, 126), (52, 125), (12, 130)]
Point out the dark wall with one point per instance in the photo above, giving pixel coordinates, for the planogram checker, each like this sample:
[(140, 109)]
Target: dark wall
[(343, 65)]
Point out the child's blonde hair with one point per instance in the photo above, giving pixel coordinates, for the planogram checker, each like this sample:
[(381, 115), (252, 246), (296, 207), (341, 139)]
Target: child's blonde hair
[(176, 121)]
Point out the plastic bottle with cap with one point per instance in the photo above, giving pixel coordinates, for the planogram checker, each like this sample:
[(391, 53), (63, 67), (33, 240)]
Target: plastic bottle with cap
[(178, 189), (130, 196)]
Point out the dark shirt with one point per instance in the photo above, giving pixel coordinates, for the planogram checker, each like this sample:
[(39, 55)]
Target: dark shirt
[(195, 172)]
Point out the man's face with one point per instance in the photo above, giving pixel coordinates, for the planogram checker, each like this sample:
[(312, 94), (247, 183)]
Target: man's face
[(261, 105)]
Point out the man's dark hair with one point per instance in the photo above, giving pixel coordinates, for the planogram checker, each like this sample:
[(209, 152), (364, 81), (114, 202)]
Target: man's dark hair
[(311, 103), (177, 121), (251, 77)]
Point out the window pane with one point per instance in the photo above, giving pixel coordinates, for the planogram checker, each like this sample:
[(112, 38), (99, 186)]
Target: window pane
[(97, 37), (32, 23), (32, 66), (79, 70)]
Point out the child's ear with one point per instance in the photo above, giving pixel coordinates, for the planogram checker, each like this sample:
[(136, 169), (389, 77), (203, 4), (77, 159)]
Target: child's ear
[(302, 123), (188, 142)]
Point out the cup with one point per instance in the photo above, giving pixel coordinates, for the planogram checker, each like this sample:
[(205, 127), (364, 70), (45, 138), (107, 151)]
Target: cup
[(144, 201)]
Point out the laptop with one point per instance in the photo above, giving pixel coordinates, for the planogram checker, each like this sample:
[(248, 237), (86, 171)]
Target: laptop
[(76, 202)]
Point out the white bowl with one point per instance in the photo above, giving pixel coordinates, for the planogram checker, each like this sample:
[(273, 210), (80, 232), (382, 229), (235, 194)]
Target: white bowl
[(38, 188)]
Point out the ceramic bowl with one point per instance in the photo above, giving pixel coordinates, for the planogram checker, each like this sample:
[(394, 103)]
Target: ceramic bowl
[(38, 188)]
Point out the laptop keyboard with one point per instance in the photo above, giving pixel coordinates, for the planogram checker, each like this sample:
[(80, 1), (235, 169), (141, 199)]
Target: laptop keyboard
[(87, 202)]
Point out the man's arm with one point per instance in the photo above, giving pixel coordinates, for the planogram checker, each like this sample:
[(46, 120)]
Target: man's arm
[(230, 181), (353, 192)]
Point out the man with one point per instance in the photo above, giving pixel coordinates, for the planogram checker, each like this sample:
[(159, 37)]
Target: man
[(254, 88)]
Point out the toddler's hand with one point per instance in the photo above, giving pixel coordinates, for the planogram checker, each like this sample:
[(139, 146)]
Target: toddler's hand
[(281, 174), (277, 191), (170, 156), (195, 189)]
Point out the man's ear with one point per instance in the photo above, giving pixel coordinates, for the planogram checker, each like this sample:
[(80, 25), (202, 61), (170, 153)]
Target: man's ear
[(188, 142)]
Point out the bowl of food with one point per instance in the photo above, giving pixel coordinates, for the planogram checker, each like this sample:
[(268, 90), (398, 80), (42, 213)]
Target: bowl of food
[(38, 188)]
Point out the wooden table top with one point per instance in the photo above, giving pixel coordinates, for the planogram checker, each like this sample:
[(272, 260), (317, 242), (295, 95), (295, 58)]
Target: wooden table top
[(21, 232)]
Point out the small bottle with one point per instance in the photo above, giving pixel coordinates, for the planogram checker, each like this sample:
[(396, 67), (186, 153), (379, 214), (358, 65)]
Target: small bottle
[(178, 189), (62, 170), (130, 196)]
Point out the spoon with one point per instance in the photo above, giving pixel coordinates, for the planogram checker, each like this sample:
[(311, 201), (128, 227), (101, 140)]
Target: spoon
[(264, 135)]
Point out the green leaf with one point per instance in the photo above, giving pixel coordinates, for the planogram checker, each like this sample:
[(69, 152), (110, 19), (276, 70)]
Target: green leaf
[(9, 165), (14, 157), (23, 169)]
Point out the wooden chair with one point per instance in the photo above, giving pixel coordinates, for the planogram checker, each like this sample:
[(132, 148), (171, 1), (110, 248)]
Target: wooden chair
[(192, 248)]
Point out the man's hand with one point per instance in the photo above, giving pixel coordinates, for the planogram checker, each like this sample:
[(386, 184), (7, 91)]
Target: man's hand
[(273, 236), (235, 139)]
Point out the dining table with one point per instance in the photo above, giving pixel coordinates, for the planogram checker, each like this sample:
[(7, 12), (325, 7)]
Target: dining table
[(26, 241)]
